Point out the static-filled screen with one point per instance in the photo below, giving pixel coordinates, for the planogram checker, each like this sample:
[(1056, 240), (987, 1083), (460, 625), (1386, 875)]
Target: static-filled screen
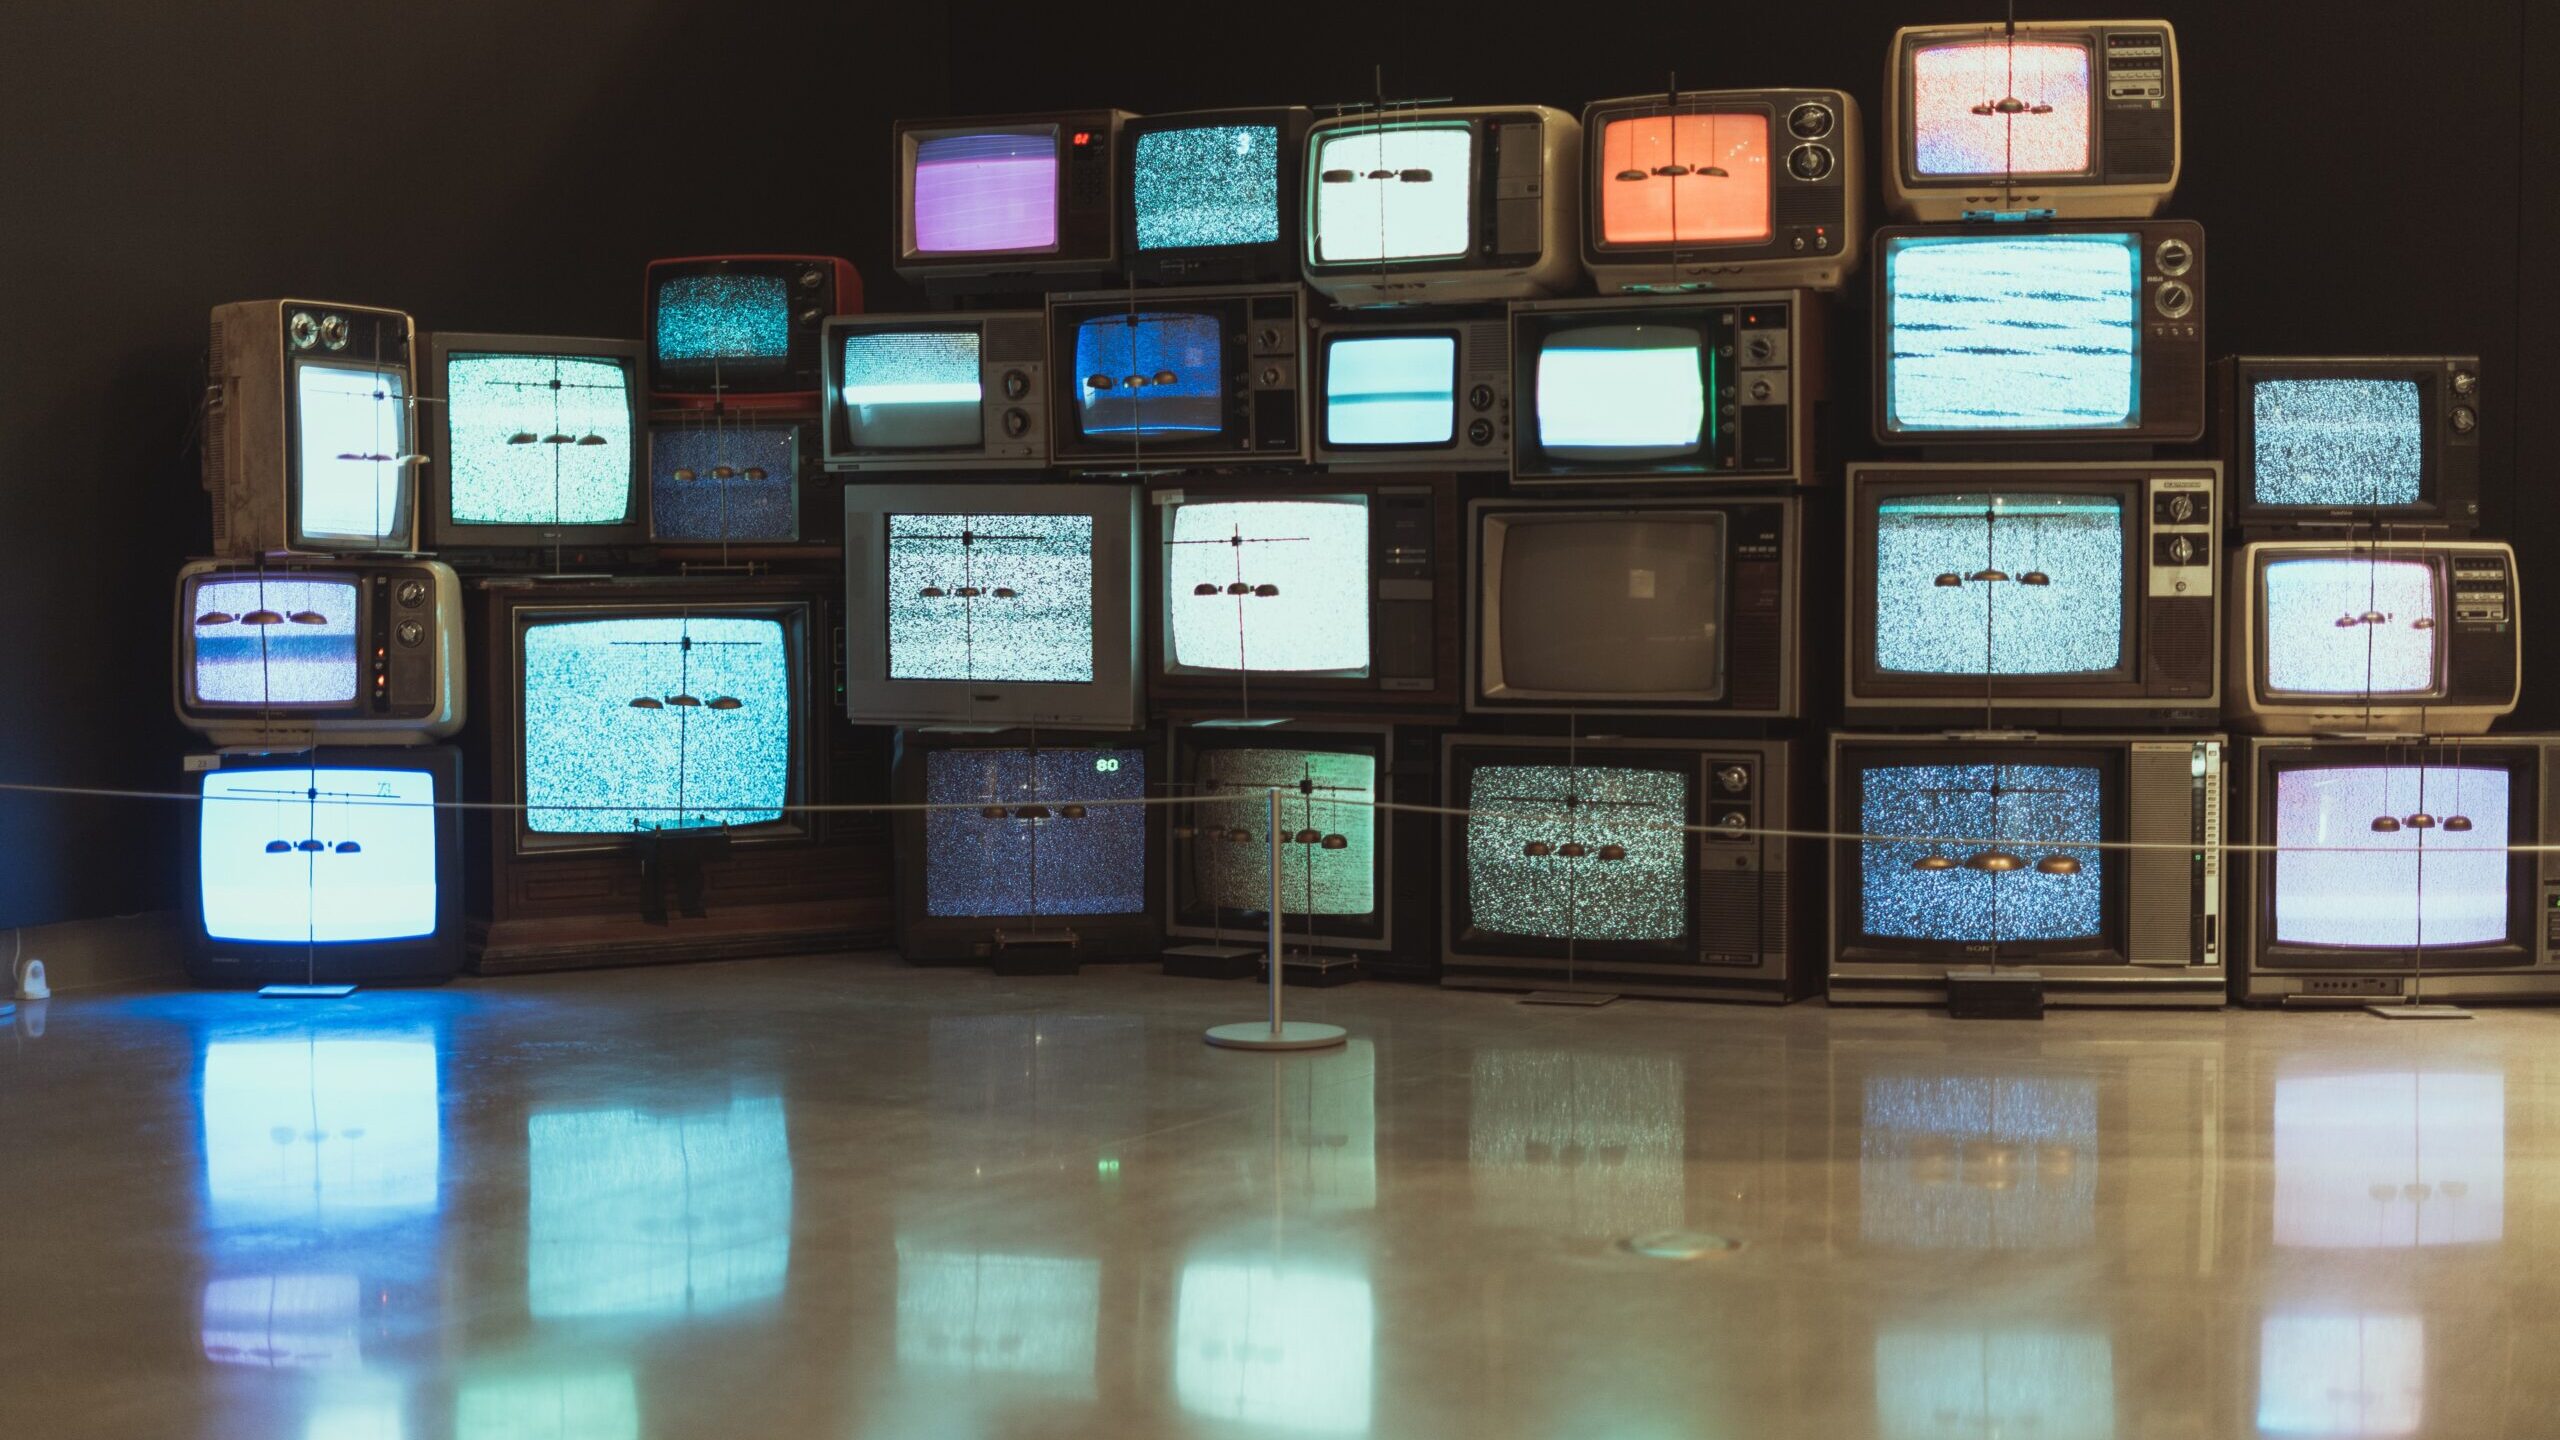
[(1210, 186), (2039, 332), (2340, 883), (1391, 390), (1327, 791), (1954, 134), (911, 389), (1393, 192), (991, 597), (1314, 553), (372, 875), (2342, 1372), (639, 1213), (1151, 373), (1967, 1162), (2337, 440), (304, 1133), (1955, 811), (352, 452), (251, 651), (656, 722), (738, 321), (2349, 625), (1606, 606), (1685, 180), (1642, 896), (725, 482), (1622, 392), (537, 440), (2070, 624), (1089, 864), (986, 191), (2390, 1159)]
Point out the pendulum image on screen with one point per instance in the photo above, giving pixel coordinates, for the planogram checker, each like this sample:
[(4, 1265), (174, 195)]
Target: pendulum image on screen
[(2014, 583), (326, 856), (986, 191), (1685, 179), (991, 597), (1269, 586), (725, 482), (1391, 390), (1051, 850), (285, 643), (1982, 853), (659, 722), (1148, 374), (736, 321), (2380, 1159), (1393, 193), (2340, 883), (537, 440), (1328, 795), (912, 389), (1978, 1162), (1215, 185), (2337, 441), (303, 1134), (1564, 852), (2339, 625), (1609, 606), (354, 451), (1622, 392), (1962, 125), (2029, 334)]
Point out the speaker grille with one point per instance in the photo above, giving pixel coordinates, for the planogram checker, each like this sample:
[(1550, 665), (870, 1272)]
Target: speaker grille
[(1488, 347), (2162, 798), (1742, 912), (2138, 160), (2181, 633), (1016, 341), (1803, 204)]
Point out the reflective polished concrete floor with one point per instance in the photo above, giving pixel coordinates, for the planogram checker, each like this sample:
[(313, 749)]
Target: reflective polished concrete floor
[(844, 1198)]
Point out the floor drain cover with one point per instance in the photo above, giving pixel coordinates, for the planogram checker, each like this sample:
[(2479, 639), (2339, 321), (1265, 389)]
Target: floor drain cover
[(1680, 1245)]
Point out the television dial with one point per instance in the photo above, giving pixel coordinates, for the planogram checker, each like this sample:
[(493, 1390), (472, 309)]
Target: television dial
[(2464, 383), (1733, 822), (1480, 431), (1761, 347), (812, 278), (1016, 424), (1016, 385), (411, 633), (2182, 508), (810, 317), (303, 330), (2465, 420), (2175, 256), (1809, 162), (1481, 397), (1762, 389), (333, 331), (1809, 121), (2174, 300), (1734, 778), (2182, 551), (1270, 375), (413, 593)]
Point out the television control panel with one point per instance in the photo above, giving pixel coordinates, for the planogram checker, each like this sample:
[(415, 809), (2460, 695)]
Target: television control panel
[(2183, 553)]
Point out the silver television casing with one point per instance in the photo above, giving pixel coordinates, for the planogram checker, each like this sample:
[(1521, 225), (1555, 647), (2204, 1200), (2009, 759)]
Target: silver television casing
[(250, 467), (1555, 192), (435, 658), (1480, 438), (2482, 625), (1013, 404)]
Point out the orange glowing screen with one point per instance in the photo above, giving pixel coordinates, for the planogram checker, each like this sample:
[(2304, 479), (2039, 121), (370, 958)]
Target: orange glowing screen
[(1659, 184)]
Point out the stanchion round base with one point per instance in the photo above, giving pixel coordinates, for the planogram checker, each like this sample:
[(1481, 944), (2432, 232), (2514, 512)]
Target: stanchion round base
[(1293, 1035)]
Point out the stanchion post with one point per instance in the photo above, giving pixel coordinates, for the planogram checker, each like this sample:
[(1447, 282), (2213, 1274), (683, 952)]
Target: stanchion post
[(1280, 1034)]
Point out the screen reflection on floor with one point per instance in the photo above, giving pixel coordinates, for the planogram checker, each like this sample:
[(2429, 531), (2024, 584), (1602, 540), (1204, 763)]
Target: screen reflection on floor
[(1286, 1346), (1590, 1145), (319, 1133), (977, 1313), (2341, 1374), (1937, 1383), (1978, 1163), (2390, 1160), (601, 1404), (640, 1214)]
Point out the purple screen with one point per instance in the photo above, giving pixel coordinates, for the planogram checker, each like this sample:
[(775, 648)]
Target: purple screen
[(2352, 887), (984, 191)]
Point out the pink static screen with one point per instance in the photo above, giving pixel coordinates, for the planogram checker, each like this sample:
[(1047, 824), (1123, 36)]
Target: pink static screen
[(986, 191), (1960, 126), (2341, 884)]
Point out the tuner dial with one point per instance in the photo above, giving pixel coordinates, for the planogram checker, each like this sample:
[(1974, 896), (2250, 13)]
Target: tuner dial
[(1270, 376), (2181, 509), (303, 330), (411, 633), (1761, 347), (1809, 162), (1480, 398), (1268, 339), (1479, 431), (1016, 385), (1762, 390), (1809, 121), (811, 317), (334, 331), (2174, 300), (1733, 822), (811, 278), (1734, 779), (2175, 257), (1016, 424), (412, 594), (2465, 383), (2465, 420), (2182, 551)]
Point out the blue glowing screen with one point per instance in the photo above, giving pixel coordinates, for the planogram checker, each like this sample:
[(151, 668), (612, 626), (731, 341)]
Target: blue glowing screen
[(284, 642), (636, 1213), (911, 389), (2337, 440), (1622, 392), (735, 319), (372, 875), (1151, 373), (659, 722), (725, 482), (2069, 622), (1962, 812), (352, 453), (2032, 333), (1089, 864), (307, 1131), (1391, 390), (1213, 185), (537, 440)]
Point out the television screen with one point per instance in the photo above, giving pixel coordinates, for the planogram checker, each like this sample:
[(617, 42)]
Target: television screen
[(1965, 1162), (1610, 606), (537, 439), (2337, 440), (1622, 392), (2342, 1374), (610, 706), (912, 389), (352, 451), (1328, 791), (2390, 1160), (2341, 884), (2350, 625), (1391, 389), (1642, 896), (991, 597), (275, 642), (1151, 372), (1685, 179), (2037, 332), (2071, 622), (1394, 192), (1955, 811), (1960, 125), (1089, 864), (737, 322), (326, 856), (1314, 557), (1209, 186), (726, 482), (983, 192), (633, 1213), (303, 1131)]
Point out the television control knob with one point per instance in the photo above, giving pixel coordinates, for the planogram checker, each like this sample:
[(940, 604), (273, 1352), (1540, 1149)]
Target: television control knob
[(334, 331), (2181, 508), (812, 278), (411, 634), (811, 317), (1734, 779), (1481, 397), (412, 594), (2182, 551), (303, 329), (1270, 375), (2174, 256), (1733, 822), (1809, 121), (1809, 162), (1016, 424), (1479, 431), (2465, 383), (1762, 390), (1268, 338), (1016, 385), (2465, 420), (2175, 300)]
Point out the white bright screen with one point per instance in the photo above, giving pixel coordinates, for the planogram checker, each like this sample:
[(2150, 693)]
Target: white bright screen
[(1315, 551), (354, 434), (385, 889), (1415, 211), (1622, 387)]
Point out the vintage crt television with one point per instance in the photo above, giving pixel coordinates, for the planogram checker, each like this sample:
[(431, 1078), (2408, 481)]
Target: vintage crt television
[(310, 444), (1198, 378), (1413, 393), (1628, 866), (2325, 441), (1716, 389), (1211, 196), (1008, 203), (2039, 594), (2049, 119), (2370, 637), (1723, 190), (1442, 206), (949, 391), (533, 441), (1022, 867), (1990, 849), (718, 480), (991, 605), (1649, 607), (1305, 591), (2391, 872), (360, 653), (328, 866), (2087, 333), (1337, 882), (740, 332)]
